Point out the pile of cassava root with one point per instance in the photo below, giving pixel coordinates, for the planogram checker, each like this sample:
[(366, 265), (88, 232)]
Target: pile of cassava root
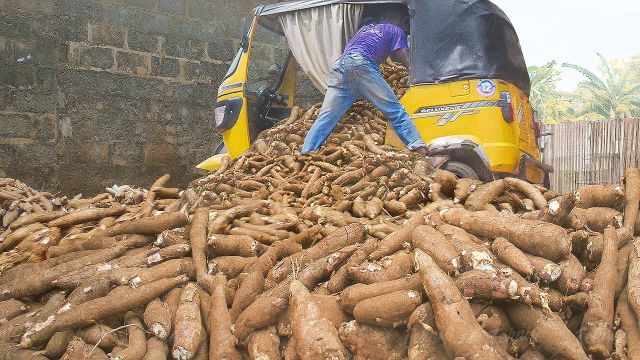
[(356, 251)]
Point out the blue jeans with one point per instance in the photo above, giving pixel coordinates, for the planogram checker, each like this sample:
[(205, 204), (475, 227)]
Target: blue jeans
[(354, 77)]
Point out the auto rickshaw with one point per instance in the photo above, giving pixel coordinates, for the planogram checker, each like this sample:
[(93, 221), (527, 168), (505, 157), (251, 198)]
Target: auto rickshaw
[(468, 82)]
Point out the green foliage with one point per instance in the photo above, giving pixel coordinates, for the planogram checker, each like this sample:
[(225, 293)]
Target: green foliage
[(616, 93), (635, 79), (551, 104)]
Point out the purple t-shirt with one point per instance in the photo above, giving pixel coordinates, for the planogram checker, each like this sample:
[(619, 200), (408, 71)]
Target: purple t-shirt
[(377, 41)]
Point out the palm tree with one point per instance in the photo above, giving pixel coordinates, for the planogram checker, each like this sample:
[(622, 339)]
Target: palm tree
[(552, 105), (614, 95)]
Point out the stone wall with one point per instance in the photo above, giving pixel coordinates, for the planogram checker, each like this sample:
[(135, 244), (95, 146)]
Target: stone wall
[(101, 92)]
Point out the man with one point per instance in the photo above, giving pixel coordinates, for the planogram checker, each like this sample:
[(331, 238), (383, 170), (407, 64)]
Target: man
[(356, 75)]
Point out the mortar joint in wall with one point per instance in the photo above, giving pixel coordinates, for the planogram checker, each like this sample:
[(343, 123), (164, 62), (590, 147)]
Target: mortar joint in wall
[(181, 75), (89, 33), (205, 55), (160, 46), (126, 39), (17, 141), (114, 64)]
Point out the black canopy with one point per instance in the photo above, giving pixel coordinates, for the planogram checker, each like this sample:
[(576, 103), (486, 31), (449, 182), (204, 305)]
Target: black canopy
[(464, 39)]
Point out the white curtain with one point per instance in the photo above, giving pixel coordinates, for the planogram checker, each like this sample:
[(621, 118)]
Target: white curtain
[(317, 37)]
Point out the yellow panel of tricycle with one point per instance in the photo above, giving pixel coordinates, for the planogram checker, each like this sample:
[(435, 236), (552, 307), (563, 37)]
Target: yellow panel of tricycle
[(212, 163), (236, 139), (463, 109)]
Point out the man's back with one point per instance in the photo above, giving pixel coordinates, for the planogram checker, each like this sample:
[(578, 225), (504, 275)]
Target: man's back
[(377, 41)]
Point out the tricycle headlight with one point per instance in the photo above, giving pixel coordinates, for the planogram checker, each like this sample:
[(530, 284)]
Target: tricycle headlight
[(218, 114)]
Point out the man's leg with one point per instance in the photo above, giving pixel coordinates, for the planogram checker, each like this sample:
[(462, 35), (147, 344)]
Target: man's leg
[(372, 86), (336, 102)]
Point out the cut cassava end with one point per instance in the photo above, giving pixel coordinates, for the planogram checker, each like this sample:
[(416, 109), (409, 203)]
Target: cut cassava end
[(558, 210), (434, 243), (157, 318), (234, 245), (473, 254), (389, 268), (464, 187), (545, 270), (187, 333), (486, 285)]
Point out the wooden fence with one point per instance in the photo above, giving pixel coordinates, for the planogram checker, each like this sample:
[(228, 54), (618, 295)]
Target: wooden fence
[(591, 152)]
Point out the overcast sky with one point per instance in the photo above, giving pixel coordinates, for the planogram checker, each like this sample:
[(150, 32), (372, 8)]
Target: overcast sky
[(574, 31)]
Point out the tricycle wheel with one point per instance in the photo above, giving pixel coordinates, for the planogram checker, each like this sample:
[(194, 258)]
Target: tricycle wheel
[(461, 170)]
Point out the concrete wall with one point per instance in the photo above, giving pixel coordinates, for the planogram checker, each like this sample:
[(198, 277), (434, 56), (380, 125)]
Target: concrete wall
[(101, 92)]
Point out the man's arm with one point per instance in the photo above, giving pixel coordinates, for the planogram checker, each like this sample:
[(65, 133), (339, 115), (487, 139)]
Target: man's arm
[(402, 56)]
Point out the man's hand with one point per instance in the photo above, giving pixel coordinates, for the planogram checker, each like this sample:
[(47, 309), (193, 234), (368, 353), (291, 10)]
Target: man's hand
[(402, 56)]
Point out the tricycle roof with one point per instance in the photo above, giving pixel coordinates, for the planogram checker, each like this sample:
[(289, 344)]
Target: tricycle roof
[(450, 39)]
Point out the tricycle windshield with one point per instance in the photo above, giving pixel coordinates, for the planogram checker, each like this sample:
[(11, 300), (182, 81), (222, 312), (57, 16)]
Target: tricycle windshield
[(464, 39)]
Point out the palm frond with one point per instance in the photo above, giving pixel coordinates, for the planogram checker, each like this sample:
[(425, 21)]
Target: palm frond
[(593, 78), (610, 77), (635, 89)]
